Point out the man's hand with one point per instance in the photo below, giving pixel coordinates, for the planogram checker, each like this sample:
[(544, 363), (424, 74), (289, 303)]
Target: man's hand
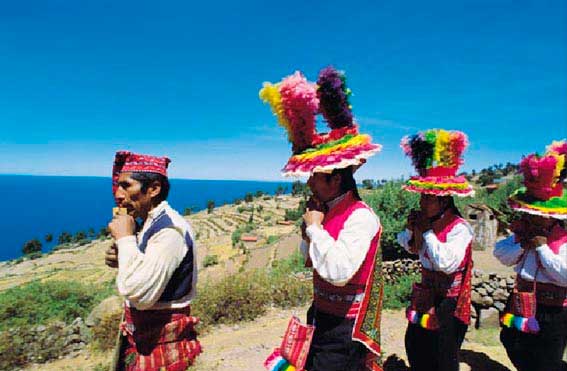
[(122, 226), (537, 241), (111, 256), (313, 217)]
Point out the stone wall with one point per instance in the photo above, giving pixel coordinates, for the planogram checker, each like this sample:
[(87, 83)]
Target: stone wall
[(489, 295)]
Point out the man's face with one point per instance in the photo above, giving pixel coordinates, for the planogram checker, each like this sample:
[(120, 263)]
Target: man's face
[(324, 189), (431, 205), (130, 196)]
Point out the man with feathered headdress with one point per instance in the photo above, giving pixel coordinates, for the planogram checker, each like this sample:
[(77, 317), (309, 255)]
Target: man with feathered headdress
[(439, 312), (341, 233), (534, 323), (157, 272)]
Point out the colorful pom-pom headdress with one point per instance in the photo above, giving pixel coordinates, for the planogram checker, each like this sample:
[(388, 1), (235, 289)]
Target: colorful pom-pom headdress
[(436, 154), (543, 192), (296, 102)]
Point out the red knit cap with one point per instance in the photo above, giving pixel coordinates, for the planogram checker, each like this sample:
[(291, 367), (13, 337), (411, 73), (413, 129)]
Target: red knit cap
[(125, 161)]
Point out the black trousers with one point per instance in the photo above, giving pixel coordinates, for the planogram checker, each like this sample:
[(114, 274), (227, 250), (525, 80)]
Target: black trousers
[(542, 351), (436, 350), (332, 348)]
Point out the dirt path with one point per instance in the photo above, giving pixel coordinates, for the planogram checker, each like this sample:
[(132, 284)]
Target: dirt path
[(244, 347)]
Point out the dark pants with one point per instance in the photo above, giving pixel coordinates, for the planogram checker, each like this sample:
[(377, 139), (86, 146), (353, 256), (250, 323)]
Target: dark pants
[(332, 348), (542, 351), (436, 350)]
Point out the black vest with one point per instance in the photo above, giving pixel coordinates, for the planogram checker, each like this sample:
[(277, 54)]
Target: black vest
[(180, 282)]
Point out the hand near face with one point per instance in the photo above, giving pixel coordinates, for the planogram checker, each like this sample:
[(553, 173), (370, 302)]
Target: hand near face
[(122, 226), (313, 217), (538, 241), (111, 256)]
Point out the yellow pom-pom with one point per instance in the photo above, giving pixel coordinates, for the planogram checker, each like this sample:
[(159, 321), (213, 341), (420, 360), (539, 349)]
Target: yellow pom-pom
[(424, 320)]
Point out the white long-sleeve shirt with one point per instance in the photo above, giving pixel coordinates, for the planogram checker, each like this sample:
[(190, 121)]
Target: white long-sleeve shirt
[(337, 261), (553, 266), (142, 277), (440, 256)]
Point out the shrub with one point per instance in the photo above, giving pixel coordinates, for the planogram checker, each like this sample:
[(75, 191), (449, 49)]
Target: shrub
[(79, 236), (397, 295), (210, 260), (25, 344), (368, 184), (40, 302), (65, 237), (31, 246), (272, 239), (393, 205), (242, 296), (297, 213), (235, 237), (104, 333), (210, 206), (248, 197), (34, 255)]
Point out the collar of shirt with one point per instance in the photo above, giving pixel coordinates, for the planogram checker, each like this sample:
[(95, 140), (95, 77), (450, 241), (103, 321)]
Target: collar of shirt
[(335, 201), (153, 213)]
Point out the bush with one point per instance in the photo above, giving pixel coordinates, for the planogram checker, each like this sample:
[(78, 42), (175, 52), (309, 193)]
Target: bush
[(210, 260), (65, 237), (393, 205), (242, 296), (41, 302), (296, 214), (34, 255), (31, 246), (246, 295), (398, 294), (272, 239), (368, 184), (210, 206), (235, 237), (79, 236), (248, 197), (104, 333), (25, 344)]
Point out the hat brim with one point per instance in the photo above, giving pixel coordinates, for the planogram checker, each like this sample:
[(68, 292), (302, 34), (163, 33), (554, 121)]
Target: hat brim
[(351, 150), (555, 207), (440, 186)]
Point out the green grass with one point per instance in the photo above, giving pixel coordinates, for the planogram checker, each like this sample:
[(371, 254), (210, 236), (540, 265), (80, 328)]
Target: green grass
[(41, 302)]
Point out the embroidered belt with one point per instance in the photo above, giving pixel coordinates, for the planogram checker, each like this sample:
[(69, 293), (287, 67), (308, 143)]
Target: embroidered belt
[(443, 284), (546, 293), (348, 298)]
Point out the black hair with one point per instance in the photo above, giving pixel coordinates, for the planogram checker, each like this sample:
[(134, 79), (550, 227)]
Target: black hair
[(146, 179), (451, 205), (347, 181)]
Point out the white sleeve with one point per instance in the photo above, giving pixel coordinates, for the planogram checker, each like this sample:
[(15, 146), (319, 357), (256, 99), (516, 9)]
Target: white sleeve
[(507, 251), (142, 277), (448, 256), (338, 261), (404, 237), (555, 265)]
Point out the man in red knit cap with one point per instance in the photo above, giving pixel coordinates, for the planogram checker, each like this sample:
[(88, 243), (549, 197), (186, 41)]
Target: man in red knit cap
[(157, 272)]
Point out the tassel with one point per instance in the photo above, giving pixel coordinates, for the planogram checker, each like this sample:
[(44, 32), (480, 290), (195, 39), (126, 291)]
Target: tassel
[(528, 325)]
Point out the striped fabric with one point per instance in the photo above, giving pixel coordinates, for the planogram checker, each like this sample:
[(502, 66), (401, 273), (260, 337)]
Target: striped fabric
[(296, 342), (160, 340)]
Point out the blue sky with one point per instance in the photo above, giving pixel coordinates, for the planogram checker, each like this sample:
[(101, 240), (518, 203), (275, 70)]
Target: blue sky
[(81, 79)]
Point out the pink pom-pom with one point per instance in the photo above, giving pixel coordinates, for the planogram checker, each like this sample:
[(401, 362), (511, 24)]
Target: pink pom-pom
[(300, 103), (405, 145)]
